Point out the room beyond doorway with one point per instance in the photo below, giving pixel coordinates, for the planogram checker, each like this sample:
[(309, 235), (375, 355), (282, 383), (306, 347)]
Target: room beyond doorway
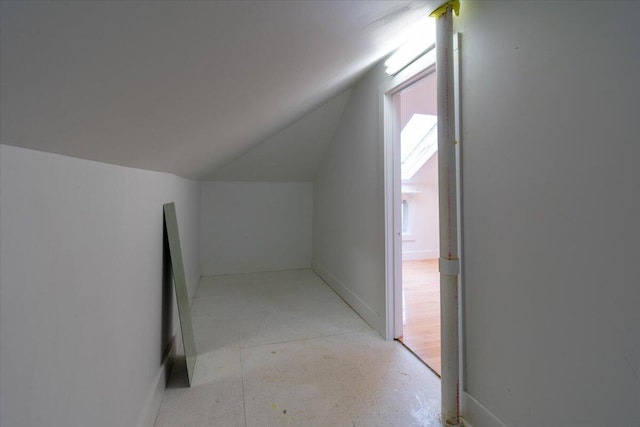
[(418, 187)]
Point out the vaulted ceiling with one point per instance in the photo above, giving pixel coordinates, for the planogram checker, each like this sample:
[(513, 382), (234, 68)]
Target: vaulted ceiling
[(230, 90)]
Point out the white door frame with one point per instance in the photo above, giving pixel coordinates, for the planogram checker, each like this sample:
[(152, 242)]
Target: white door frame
[(421, 68)]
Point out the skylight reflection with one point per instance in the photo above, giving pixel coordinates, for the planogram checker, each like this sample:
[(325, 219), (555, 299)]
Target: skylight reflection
[(418, 142)]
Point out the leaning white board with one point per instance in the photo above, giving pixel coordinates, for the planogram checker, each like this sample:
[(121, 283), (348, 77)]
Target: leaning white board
[(180, 282)]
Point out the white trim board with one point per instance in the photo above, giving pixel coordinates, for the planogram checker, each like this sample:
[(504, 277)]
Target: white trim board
[(475, 414), (368, 314)]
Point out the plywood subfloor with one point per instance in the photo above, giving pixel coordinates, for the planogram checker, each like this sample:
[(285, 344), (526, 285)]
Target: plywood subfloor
[(421, 310)]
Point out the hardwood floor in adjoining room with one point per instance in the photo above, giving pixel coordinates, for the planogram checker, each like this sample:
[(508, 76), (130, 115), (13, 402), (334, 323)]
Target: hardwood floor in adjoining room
[(421, 310)]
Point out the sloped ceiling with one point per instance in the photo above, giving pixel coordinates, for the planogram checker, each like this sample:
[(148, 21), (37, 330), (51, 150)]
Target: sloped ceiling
[(186, 87), (292, 154)]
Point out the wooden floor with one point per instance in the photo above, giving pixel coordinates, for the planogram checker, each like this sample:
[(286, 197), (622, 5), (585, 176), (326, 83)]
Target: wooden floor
[(421, 310)]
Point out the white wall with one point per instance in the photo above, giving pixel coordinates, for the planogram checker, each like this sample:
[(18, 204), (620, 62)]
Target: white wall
[(550, 169), (255, 226), (551, 183), (82, 284), (423, 194), (348, 227), (348, 218)]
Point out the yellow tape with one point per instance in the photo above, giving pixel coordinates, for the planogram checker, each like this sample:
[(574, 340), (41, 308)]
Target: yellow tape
[(455, 5)]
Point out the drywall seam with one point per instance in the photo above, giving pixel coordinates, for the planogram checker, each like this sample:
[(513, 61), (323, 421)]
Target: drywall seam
[(367, 313), (477, 413)]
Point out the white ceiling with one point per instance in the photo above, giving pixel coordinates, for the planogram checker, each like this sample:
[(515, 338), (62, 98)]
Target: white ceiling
[(188, 87), (292, 154)]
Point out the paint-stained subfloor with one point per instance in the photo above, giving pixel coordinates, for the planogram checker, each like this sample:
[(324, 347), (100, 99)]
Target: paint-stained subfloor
[(282, 349)]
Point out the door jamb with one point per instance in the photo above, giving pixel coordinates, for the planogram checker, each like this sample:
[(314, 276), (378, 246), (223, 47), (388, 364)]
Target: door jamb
[(419, 69)]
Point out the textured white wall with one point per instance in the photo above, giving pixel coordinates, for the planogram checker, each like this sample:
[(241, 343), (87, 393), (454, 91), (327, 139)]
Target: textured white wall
[(550, 153), (255, 226), (81, 285)]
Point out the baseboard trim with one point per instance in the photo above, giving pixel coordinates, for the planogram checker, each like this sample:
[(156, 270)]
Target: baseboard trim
[(219, 271), (419, 255), (152, 406), (475, 414), (367, 313)]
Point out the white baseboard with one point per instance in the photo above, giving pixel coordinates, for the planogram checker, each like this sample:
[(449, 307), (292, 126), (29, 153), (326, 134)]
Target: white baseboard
[(474, 414), (418, 255), (152, 405), (369, 315), (223, 270)]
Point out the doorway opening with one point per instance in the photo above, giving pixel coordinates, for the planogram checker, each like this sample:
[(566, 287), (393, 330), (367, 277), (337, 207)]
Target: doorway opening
[(416, 142), (450, 233)]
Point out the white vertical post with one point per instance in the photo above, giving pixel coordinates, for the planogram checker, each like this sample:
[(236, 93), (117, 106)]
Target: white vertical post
[(449, 262)]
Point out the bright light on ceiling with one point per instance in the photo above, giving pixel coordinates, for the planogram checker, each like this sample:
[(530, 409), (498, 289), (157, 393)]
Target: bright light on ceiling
[(421, 38)]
